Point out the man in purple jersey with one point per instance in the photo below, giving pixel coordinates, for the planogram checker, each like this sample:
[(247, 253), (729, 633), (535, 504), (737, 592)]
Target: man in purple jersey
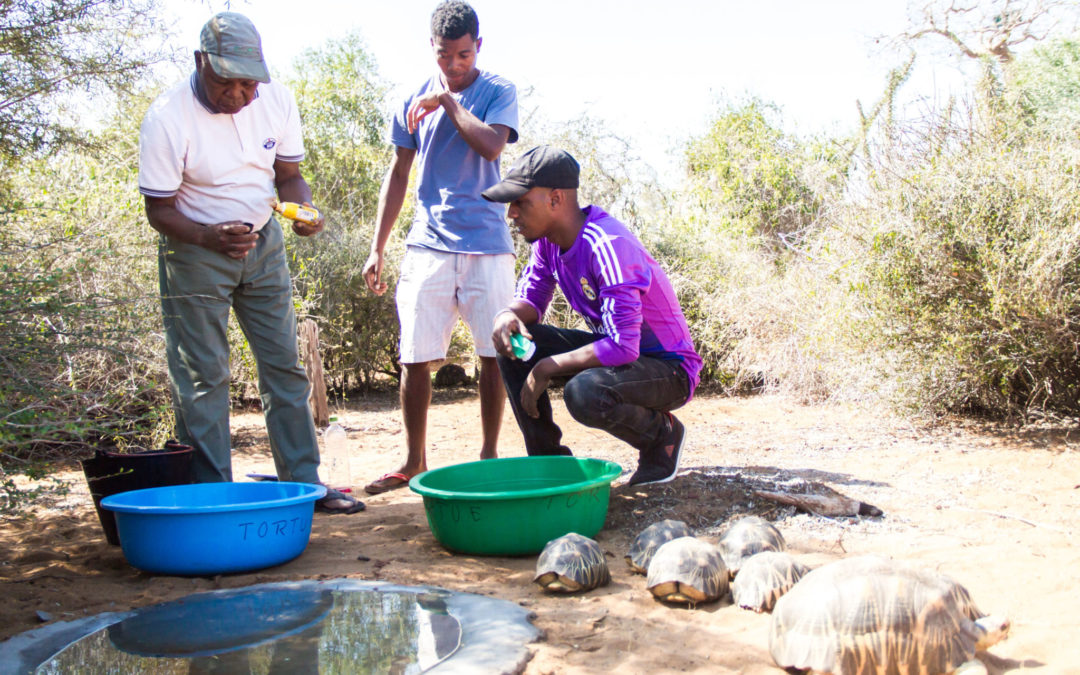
[(635, 365)]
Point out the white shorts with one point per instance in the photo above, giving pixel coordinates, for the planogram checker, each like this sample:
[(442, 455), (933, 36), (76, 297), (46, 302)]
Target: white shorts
[(436, 288)]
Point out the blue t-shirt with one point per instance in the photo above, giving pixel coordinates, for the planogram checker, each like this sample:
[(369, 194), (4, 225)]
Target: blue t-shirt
[(450, 214)]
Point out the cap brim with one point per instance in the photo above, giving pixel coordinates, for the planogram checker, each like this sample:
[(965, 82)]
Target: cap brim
[(505, 192), (232, 68)]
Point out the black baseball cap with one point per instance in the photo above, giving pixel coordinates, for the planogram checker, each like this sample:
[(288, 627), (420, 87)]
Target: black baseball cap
[(543, 166)]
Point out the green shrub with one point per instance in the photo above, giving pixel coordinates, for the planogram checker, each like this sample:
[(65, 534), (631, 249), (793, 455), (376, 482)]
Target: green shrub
[(1045, 84), (358, 330), (341, 98), (738, 243), (80, 358), (971, 275), (757, 179), (938, 272)]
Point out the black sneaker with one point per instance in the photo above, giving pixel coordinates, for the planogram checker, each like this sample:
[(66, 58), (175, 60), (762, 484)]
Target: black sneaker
[(660, 463)]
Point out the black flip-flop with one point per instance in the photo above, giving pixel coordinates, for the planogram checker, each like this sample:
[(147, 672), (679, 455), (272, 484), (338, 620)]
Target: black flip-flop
[(355, 505)]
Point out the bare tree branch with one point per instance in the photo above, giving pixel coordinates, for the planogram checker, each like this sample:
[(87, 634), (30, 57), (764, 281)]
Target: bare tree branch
[(989, 29)]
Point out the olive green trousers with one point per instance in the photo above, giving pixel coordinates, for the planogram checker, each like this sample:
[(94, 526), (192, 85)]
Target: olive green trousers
[(198, 287)]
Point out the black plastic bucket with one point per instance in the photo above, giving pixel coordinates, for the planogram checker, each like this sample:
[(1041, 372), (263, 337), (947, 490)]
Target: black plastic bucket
[(108, 473)]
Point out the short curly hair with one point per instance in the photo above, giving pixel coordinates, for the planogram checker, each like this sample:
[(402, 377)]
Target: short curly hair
[(453, 19)]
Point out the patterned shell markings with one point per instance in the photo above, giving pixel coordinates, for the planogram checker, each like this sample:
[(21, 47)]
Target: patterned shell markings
[(871, 614), (651, 538), (688, 570), (571, 563), (765, 577), (747, 536)]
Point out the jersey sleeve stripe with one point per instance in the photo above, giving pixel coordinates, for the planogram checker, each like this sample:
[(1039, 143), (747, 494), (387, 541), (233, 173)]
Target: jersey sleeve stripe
[(525, 282), (605, 252), (607, 312)]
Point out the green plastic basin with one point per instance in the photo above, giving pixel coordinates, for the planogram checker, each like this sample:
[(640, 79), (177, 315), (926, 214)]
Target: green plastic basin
[(515, 505)]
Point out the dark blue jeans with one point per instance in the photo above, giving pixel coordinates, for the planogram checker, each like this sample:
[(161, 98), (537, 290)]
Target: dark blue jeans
[(627, 401)]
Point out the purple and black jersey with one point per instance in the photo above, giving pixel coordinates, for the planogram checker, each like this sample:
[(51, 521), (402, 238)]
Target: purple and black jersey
[(610, 279)]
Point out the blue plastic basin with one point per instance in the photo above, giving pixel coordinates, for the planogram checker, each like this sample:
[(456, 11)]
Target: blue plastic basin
[(214, 528)]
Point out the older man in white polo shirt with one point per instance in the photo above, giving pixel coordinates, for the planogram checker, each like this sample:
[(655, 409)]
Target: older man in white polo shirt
[(214, 149)]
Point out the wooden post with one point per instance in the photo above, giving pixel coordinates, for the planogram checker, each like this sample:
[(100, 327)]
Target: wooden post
[(309, 343)]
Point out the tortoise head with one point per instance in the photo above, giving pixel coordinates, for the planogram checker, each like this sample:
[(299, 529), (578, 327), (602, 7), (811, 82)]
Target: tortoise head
[(992, 629)]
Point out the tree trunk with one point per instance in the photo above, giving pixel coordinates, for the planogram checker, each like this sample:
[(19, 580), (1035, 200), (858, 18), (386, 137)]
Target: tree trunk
[(309, 344)]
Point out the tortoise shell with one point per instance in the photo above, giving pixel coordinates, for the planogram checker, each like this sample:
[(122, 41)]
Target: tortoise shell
[(651, 538), (874, 615), (764, 577), (745, 537), (570, 564), (688, 570), (451, 375)]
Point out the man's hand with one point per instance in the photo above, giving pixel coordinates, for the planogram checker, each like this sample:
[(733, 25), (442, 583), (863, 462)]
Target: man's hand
[(506, 324), (421, 108), (233, 238), (535, 384), (307, 229), (373, 273)]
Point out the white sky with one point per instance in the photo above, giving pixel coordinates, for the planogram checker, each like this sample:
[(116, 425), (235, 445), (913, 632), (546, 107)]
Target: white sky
[(652, 71)]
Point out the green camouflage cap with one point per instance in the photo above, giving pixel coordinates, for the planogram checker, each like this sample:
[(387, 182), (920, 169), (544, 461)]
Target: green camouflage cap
[(234, 47)]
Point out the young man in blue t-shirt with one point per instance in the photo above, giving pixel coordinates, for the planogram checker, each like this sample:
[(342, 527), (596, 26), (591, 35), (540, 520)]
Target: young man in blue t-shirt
[(637, 361), (459, 260)]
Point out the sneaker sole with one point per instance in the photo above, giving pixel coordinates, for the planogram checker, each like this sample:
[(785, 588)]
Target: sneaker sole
[(678, 460)]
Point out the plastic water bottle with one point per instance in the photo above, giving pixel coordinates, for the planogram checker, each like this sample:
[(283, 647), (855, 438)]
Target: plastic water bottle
[(336, 456), (523, 347)]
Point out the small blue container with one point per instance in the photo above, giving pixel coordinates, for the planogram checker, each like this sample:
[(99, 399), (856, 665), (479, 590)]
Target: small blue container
[(214, 528)]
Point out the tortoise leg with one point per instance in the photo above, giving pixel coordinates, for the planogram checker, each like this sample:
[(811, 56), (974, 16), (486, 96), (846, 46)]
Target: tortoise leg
[(972, 667)]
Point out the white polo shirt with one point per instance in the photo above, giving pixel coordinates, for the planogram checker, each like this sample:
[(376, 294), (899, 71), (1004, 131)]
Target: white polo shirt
[(220, 167)]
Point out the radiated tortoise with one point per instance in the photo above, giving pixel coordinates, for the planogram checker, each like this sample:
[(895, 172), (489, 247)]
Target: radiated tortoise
[(688, 570), (869, 615), (765, 577), (651, 538), (745, 537), (571, 563)]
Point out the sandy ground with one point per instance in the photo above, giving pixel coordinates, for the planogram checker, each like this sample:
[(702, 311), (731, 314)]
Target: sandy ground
[(993, 507)]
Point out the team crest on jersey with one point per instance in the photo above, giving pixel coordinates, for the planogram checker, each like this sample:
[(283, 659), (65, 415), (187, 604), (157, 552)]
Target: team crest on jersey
[(269, 143), (587, 289)]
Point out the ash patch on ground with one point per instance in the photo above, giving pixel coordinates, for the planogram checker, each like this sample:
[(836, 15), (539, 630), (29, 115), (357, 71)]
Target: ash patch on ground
[(708, 498)]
